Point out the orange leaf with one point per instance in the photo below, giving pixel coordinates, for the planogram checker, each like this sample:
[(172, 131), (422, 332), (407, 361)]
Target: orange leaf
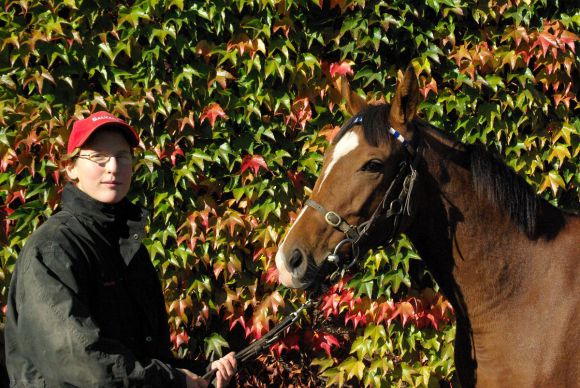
[(406, 311), (284, 24), (212, 112), (568, 39), (329, 131), (546, 40)]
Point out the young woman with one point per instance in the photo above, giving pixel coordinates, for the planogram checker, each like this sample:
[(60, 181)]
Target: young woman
[(85, 305)]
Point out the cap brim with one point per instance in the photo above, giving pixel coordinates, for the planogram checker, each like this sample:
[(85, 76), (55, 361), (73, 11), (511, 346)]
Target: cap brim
[(128, 132)]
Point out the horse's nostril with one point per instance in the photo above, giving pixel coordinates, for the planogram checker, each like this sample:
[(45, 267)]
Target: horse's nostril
[(295, 259)]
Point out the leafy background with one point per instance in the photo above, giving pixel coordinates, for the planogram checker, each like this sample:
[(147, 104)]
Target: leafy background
[(235, 106)]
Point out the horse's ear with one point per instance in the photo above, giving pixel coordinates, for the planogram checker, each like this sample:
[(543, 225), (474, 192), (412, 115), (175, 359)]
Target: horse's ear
[(354, 102), (406, 99)]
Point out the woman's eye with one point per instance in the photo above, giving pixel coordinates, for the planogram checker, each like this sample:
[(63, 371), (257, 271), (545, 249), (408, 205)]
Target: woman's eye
[(373, 166)]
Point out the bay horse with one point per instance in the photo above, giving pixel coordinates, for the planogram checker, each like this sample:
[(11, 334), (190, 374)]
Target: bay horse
[(505, 258)]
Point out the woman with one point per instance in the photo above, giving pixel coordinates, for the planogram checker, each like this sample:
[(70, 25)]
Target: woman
[(85, 304)]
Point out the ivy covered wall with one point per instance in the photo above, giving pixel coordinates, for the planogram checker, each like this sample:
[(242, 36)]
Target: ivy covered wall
[(234, 103)]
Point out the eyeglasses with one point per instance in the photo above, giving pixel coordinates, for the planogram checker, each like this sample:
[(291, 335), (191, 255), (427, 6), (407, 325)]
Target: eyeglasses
[(100, 158)]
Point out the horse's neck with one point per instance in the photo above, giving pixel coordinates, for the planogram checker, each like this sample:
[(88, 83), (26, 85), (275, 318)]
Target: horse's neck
[(463, 237), (498, 276)]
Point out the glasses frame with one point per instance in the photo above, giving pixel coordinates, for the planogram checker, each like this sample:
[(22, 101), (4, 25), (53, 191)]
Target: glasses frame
[(120, 159)]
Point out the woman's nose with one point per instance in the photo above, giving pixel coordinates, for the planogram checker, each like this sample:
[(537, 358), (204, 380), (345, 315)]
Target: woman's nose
[(112, 164)]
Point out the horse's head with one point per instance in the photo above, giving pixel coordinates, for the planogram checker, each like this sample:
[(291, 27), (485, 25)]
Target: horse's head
[(358, 169)]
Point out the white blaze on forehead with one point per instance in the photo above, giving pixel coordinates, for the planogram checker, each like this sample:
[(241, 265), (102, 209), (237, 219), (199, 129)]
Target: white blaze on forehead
[(348, 143)]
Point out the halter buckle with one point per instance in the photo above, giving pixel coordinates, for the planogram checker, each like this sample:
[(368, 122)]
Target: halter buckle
[(332, 219)]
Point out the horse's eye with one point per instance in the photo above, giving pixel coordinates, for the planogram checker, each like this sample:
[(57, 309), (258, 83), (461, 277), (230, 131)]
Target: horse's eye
[(373, 166)]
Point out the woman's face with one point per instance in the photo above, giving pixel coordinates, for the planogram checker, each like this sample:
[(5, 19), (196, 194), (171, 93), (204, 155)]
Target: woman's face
[(106, 181)]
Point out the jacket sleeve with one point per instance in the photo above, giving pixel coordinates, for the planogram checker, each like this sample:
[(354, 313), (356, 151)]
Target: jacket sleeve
[(56, 333)]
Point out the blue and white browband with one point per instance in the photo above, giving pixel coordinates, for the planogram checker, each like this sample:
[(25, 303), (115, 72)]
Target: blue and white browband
[(392, 131), (357, 120), (398, 136)]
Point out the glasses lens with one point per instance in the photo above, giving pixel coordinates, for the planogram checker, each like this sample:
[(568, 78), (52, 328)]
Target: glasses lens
[(100, 158), (125, 158)]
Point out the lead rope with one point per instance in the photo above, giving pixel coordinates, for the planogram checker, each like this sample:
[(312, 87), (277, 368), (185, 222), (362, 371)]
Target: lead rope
[(268, 339), (258, 346)]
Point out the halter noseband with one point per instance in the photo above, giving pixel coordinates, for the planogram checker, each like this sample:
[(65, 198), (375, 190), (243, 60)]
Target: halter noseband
[(394, 209)]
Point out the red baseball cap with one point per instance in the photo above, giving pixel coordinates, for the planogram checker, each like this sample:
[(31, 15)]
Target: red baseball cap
[(83, 129)]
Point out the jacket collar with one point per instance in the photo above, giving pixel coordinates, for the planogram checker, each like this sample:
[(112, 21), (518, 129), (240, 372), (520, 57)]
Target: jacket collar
[(84, 206), (122, 222)]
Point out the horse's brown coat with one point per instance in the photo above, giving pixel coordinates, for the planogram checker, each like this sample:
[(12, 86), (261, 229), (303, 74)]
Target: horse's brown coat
[(515, 289)]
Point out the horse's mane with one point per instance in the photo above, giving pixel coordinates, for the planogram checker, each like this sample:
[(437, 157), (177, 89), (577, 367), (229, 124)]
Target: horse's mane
[(492, 178), (502, 186)]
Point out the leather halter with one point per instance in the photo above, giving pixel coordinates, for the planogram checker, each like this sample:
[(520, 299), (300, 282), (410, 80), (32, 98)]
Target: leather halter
[(388, 208)]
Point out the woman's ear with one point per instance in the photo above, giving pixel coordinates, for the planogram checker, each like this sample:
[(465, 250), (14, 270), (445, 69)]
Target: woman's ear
[(71, 170)]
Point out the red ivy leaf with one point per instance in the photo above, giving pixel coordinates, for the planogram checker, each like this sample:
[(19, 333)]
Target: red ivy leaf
[(212, 112), (297, 178), (20, 195), (242, 323), (330, 304), (254, 162), (386, 311), (288, 343), (429, 87), (356, 316), (341, 69), (8, 159), (568, 39), (270, 275), (179, 338), (320, 340), (177, 151), (545, 39), (301, 113), (56, 176)]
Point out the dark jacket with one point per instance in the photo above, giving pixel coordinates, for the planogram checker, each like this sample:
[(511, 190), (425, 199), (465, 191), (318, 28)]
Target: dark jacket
[(85, 304)]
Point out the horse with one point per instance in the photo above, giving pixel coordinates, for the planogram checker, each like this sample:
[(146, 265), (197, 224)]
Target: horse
[(505, 258)]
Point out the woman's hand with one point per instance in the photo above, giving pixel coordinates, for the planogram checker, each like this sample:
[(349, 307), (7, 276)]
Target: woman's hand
[(193, 380), (226, 368)]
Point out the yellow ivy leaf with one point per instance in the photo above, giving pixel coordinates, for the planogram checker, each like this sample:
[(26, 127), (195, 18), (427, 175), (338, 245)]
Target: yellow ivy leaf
[(561, 152), (353, 367), (565, 132), (553, 181)]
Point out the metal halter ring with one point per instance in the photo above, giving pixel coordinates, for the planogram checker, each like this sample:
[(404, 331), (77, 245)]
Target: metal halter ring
[(329, 215), (396, 207)]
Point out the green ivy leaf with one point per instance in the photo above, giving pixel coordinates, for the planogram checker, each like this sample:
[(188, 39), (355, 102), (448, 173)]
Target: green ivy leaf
[(214, 345)]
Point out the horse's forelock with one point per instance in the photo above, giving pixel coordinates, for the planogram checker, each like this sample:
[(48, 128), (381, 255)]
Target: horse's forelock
[(375, 125)]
